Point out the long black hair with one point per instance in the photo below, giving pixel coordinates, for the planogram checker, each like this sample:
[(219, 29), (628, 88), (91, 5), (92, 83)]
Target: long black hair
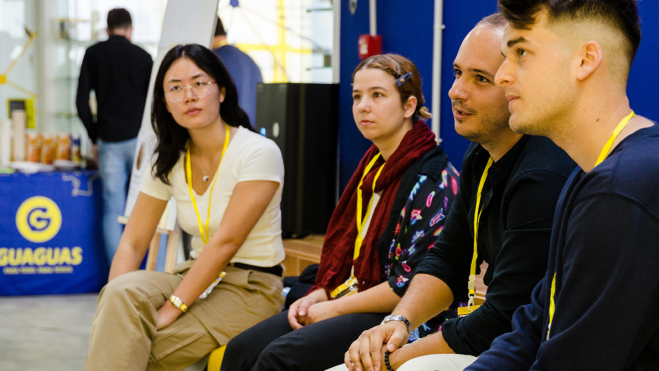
[(172, 137)]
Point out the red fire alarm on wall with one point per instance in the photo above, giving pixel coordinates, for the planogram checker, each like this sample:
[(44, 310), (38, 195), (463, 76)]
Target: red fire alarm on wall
[(369, 45)]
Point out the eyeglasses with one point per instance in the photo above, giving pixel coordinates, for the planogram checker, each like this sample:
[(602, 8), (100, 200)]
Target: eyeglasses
[(200, 90)]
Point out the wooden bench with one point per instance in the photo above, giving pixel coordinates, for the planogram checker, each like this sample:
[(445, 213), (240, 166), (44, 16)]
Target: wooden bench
[(300, 253)]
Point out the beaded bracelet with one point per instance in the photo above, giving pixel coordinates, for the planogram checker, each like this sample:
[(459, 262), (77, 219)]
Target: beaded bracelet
[(386, 361)]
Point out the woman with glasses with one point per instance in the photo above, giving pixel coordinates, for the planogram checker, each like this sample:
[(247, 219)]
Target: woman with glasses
[(388, 217), (227, 183)]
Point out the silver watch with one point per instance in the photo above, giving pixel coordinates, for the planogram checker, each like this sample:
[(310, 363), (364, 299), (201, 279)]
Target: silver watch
[(396, 317)]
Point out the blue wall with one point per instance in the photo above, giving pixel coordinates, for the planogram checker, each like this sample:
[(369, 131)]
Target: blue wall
[(642, 88), (407, 29)]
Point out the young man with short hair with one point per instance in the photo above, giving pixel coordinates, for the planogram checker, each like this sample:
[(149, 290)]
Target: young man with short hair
[(565, 77)]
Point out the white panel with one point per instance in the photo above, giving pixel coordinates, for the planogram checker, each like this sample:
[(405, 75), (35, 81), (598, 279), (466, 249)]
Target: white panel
[(437, 69)]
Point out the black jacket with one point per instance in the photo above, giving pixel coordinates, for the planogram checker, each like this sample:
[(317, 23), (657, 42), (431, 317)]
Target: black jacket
[(518, 203)]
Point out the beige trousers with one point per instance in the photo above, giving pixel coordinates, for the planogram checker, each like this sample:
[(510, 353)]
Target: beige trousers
[(433, 362), (438, 362), (124, 335)]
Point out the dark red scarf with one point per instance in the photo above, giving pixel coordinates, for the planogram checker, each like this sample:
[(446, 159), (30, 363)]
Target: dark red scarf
[(338, 248)]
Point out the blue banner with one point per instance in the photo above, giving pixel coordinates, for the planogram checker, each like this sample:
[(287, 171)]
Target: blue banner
[(50, 234)]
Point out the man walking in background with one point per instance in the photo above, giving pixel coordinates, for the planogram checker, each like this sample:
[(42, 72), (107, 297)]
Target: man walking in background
[(242, 68), (119, 73)]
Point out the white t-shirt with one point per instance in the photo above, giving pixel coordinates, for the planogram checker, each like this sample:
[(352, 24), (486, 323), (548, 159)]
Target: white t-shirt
[(249, 156)]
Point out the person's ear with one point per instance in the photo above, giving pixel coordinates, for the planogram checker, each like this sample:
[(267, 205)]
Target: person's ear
[(223, 92), (590, 57), (410, 106), (166, 105), (108, 32)]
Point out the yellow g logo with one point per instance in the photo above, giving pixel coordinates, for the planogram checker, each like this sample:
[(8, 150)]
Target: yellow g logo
[(38, 219)]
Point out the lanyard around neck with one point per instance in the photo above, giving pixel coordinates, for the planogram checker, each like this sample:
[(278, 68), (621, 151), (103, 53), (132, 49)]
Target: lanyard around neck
[(603, 155), (477, 216), (361, 221), (204, 231), (607, 147)]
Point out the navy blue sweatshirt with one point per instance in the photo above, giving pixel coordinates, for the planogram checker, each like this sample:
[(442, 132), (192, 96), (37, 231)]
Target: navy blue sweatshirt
[(605, 254)]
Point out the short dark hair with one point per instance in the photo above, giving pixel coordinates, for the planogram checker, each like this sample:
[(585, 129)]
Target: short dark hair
[(119, 18), (219, 28), (172, 138), (619, 14), (495, 20)]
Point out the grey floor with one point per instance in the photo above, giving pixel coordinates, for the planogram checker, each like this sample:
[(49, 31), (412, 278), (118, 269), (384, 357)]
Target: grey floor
[(45, 332), (39, 333)]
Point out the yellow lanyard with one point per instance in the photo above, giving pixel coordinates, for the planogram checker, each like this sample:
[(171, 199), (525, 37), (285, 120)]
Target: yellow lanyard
[(477, 217), (204, 231), (361, 221), (603, 155)]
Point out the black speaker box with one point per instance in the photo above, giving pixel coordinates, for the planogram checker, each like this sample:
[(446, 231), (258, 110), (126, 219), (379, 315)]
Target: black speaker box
[(303, 120)]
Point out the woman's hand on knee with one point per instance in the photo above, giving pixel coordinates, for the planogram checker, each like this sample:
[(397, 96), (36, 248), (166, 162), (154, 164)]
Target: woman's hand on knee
[(297, 313), (167, 314), (321, 311)]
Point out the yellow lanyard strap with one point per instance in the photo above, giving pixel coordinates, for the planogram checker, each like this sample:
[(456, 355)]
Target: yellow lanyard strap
[(607, 147), (603, 155), (204, 231), (477, 216), (361, 221)]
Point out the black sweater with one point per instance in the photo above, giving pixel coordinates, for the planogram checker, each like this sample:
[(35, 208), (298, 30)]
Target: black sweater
[(119, 73), (518, 203), (605, 254)]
